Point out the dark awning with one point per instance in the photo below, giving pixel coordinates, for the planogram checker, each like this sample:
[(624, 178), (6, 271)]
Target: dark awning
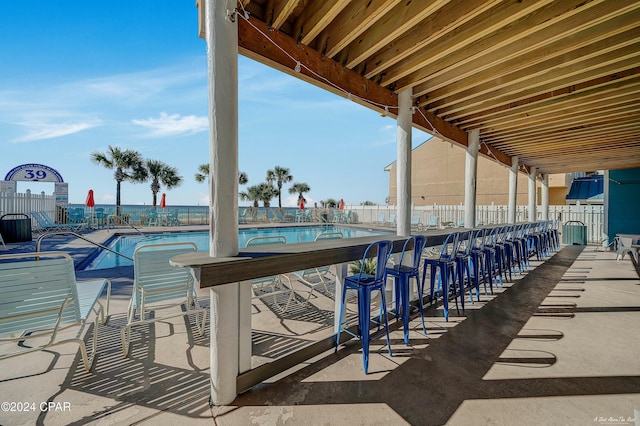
[(587, 188)]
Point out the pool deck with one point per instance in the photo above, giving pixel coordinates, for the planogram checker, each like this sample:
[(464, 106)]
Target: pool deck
[(558, 346)]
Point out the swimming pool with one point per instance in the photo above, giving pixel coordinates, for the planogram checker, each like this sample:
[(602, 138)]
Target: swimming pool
[(298, 234)]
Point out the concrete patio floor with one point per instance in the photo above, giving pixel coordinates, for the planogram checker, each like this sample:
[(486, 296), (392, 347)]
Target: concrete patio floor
[(558, 346)]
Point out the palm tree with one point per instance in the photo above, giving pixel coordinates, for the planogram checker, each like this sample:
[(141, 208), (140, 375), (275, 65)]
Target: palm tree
[(279, 175), (203, 173), (329, 202), (252, 194), (162, 173), (128, 164), (267, 192), (299, 188)]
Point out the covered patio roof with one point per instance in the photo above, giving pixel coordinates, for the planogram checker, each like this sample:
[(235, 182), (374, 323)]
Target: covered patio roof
[(555, 83)]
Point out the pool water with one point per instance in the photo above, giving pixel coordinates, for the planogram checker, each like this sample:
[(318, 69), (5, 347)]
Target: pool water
[(299, 234)]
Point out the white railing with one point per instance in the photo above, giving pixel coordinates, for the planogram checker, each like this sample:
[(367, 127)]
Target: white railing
[(453, 215), (27, 203)]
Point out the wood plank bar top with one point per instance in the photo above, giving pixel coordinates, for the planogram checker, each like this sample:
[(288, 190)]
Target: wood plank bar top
[(256, 262)]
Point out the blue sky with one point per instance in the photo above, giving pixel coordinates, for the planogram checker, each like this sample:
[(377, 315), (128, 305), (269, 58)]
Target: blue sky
[(77, 77)]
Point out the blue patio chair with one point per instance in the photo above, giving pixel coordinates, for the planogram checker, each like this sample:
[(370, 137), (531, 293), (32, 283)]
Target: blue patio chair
[(402, 275), (172, 218), (381, 219), (152, 218), (76, 215), (100, 217), (445, 264), (365, 285)]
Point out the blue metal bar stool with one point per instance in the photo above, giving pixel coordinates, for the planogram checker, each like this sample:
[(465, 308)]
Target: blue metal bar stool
[(365, 284), (494, 257), (463, 264), (402, 275), (479, 264), (509, 249), (445, 263), (535, 241)]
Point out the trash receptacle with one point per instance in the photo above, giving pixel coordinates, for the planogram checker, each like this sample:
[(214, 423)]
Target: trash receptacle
[(15, 230), (574, 232)]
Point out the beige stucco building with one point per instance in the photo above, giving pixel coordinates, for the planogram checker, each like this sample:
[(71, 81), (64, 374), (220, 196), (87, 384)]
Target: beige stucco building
[(437, 177)]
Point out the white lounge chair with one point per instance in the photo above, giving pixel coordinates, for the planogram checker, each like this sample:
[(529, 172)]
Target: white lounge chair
[(416, 225), (392, 220), (271, 285), (45, 223), (628, 244), (159, 285), (433, 222), (319, 276), (39, 297)]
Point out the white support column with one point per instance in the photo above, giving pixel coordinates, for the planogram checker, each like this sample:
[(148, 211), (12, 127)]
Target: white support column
[(513, 189), (545, 196), (403, 170), (229, 305), (471, 171), (532, 194)]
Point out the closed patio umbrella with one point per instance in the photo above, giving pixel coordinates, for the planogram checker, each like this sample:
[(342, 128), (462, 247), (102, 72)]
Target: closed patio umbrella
[(163, 201), (90, 201)]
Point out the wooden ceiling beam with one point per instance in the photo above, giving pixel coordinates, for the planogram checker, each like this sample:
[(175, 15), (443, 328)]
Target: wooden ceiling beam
[(469, 75), (496, 78), (355, 19), (277, 12), (572, 29), (572, 113), (391, 26), (315, 18), (589, 150), (553, 124), (582, 100), (541, 148), (577, 90), (492, 31), (554, 79), (453, 15), (576, 139)]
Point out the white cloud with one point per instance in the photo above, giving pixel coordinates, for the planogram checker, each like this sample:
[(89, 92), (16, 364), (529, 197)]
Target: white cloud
[(41, 130), (174, 124)]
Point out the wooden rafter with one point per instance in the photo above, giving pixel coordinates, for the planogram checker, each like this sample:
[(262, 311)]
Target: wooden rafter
[(278, 11)]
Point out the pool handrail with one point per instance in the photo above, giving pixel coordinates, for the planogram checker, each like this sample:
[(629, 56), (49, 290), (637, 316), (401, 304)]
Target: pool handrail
[(265, 241), (75, 234)]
